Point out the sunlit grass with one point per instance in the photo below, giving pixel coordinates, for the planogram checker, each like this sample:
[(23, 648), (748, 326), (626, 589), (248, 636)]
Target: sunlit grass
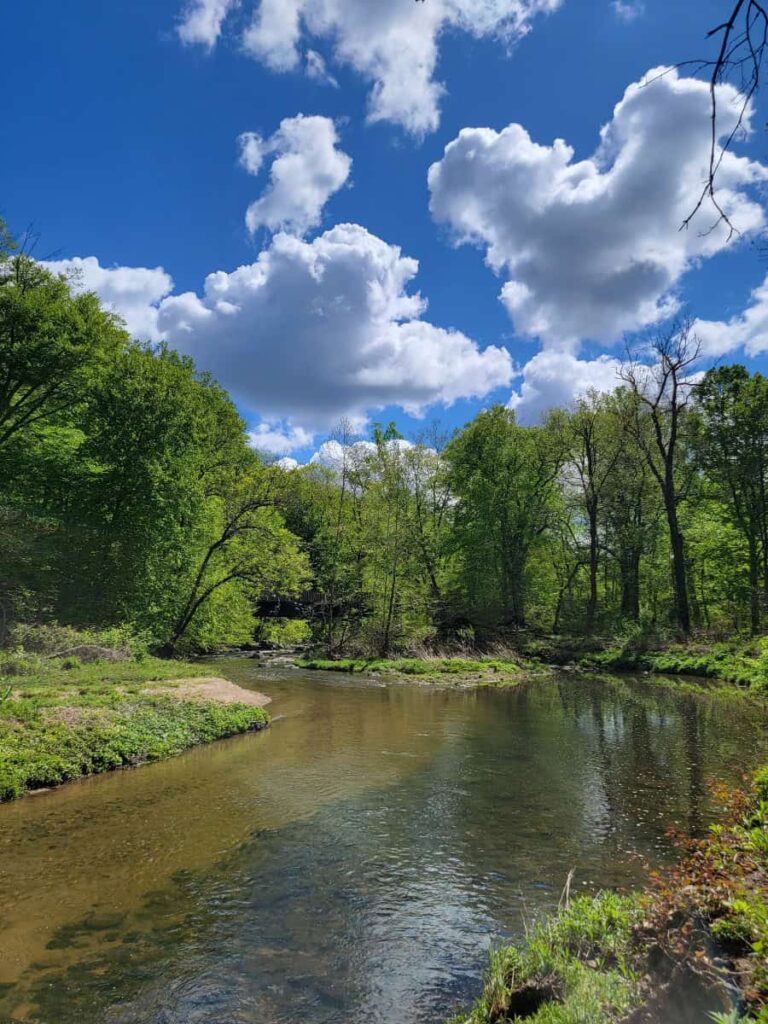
[(60, 720)]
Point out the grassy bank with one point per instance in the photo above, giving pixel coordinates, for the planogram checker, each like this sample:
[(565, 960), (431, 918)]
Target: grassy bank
[(61, 720), (742, 663), (449, 671), (608, 958)]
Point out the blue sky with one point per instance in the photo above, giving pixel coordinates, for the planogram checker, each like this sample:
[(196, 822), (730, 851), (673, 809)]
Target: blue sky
[(120, 142)]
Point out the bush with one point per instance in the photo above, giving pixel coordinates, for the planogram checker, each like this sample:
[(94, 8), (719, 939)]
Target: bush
[(284, 632), (52, 639)]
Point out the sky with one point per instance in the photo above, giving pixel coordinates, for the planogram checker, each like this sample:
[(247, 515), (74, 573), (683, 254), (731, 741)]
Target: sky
[(385, 211)]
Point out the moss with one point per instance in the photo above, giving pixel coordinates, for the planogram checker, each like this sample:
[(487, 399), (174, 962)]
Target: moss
[(64, 721)]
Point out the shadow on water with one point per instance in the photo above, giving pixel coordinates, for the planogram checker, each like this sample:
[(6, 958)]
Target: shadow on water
[(355, 861)]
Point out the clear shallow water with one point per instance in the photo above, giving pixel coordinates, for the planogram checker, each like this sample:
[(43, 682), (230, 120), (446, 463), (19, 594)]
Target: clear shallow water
[(352, 863)]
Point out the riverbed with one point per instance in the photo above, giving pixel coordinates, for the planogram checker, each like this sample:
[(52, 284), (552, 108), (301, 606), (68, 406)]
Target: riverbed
[(355, 861)]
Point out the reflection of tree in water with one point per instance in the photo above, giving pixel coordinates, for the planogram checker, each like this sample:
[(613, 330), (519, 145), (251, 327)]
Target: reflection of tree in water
[(647, 750), (694, 763)]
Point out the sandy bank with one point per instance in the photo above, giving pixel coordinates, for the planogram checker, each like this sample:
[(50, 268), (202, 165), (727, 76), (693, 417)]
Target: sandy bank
[(212, 688)]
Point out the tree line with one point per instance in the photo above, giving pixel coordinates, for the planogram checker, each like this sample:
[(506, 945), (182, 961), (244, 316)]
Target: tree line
[(129, 495), (641, 509)]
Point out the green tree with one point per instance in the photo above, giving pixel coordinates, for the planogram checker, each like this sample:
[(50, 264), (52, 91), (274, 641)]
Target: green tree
[(595, 444), (51, 343), (733, 449), (504, 479)]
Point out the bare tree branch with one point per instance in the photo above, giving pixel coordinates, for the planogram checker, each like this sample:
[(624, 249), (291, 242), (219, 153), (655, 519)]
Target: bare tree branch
[(743, 40)]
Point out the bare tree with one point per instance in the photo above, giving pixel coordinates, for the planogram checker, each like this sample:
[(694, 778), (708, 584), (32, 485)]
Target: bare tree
[(662, 393)]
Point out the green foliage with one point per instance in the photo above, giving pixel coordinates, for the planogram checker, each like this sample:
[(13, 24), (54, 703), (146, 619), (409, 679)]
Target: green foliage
[(741, 663), (284, 632), (505, 480), (131, 500), (130, 493), (53, 344), (52, 638)]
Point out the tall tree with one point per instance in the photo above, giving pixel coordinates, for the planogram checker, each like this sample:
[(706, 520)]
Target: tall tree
[(659, 424), (595, 445), (504, 478)]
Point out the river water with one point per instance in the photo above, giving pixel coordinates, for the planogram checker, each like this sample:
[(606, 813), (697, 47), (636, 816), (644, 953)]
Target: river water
[(354, 862)]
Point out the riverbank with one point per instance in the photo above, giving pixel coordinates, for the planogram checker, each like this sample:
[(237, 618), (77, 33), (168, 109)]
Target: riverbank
[(449, 671), (739, 664), (701, 934), (62, 720)]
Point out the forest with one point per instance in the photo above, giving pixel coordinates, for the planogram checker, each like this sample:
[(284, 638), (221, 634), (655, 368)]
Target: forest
[(132, 499)]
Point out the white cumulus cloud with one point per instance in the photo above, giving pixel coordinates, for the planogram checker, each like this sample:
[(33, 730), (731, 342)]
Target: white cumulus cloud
[(279, 438), (311, 331), (306, 170), (133, 292), (394, 44), (315, 330), (592, 248), (747, 330), (556, 378)]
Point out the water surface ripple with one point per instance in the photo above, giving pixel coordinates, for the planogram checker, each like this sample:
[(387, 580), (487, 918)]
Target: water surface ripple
[(354, 862)]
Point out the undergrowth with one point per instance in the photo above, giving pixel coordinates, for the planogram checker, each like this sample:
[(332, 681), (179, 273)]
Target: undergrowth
[(572, 969), (742, 663)]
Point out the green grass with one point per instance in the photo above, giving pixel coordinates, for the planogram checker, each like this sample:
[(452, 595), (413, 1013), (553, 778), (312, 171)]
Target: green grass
[(463, 671), (60, 720), (575, 968), (742, 663)]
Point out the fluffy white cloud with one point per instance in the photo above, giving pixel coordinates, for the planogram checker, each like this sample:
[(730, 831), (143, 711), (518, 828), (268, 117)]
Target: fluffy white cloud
[(133, 292), (279, 439), (306, 171), (311, 331), (593, 248), (201, 20), (747, 330), (393, 44), (553, 378)]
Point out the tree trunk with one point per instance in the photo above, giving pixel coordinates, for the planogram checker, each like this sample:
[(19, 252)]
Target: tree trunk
[(593, 569), (629, 569), (679, 573), (754, 584)]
